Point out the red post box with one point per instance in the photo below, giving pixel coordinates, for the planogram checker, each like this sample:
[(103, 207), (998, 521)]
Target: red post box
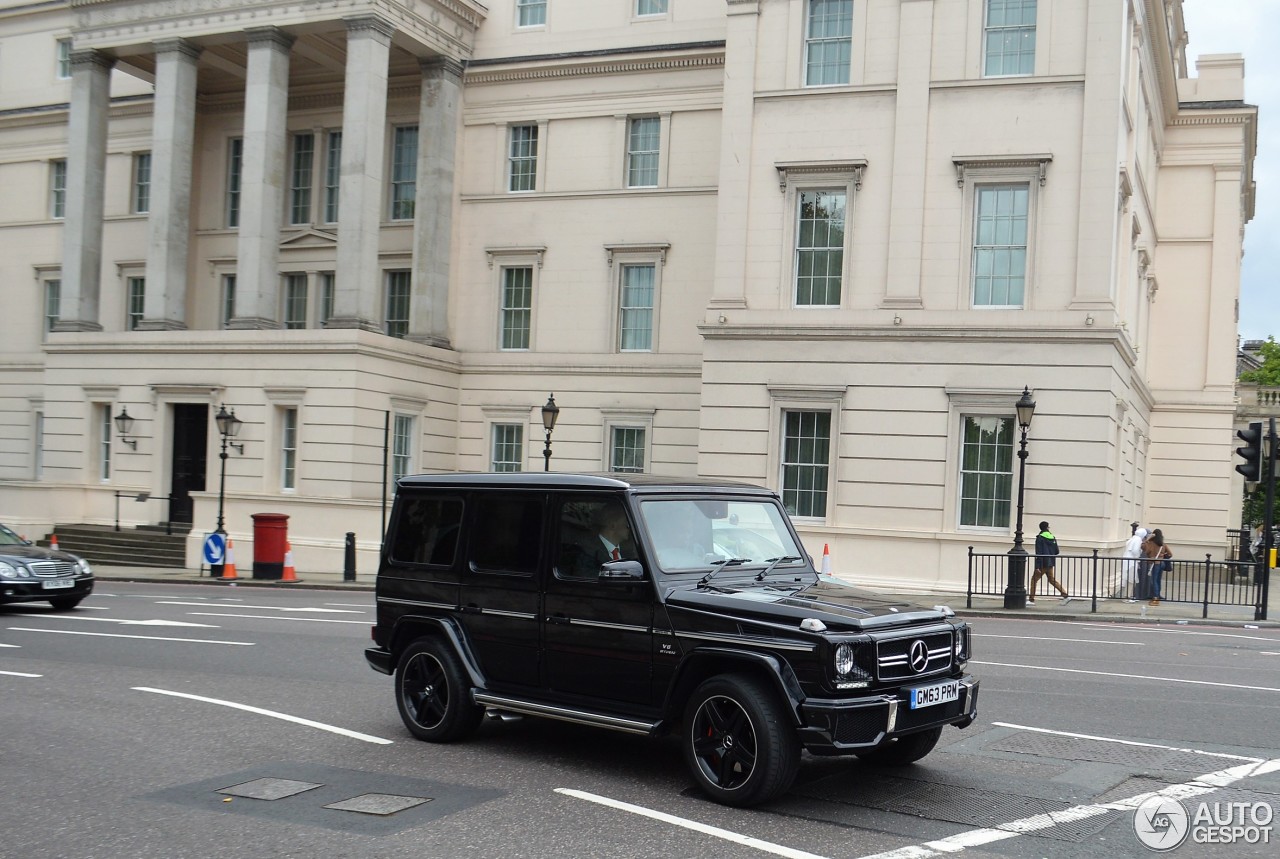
[(270, 538)]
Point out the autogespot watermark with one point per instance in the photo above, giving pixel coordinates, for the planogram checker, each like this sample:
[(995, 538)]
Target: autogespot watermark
[(1163, 824)]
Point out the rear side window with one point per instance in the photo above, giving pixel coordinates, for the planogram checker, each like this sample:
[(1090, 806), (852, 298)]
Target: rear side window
[(506, 533), (427, 530)]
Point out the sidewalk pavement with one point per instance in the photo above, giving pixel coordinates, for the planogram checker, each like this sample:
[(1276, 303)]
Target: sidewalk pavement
[(1078, 609)]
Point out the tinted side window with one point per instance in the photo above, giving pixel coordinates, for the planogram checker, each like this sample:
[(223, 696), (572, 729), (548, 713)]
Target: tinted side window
[(506, 533), (427, 530)]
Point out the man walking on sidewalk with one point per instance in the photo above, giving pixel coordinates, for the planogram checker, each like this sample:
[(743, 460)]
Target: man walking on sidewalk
[(1046, 559)]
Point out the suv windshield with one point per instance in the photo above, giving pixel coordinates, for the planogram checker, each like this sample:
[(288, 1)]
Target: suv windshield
[(692, 535)]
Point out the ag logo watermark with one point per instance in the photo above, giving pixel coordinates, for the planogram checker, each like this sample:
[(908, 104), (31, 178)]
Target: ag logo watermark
[(1164, 824)]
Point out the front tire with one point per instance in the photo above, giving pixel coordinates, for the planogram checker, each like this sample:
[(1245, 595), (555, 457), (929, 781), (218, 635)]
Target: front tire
[(903, 750), (432, 693), (738, 741), (65, 603)]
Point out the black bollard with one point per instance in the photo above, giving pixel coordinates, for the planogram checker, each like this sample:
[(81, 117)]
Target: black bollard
[(349, 558)]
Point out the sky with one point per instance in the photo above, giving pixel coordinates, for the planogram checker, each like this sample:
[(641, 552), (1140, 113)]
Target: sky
[(1252, 28)]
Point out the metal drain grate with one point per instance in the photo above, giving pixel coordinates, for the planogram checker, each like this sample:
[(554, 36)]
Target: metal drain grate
[(378, 803), (269, 788)]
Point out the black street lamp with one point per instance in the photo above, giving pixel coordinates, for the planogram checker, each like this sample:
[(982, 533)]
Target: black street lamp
[(1015, 594), (549, 414), (124, 426), (228, 427)]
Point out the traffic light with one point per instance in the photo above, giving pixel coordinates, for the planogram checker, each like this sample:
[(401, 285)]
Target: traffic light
[(1251, 453)]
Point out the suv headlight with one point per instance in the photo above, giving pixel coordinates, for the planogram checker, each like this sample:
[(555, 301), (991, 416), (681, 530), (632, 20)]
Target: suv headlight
[(962, 643), (853, 663)]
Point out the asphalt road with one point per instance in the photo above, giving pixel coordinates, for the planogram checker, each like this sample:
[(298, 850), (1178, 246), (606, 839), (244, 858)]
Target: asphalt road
[(205, 721)]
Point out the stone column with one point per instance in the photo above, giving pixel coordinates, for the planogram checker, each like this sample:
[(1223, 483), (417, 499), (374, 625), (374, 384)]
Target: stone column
[(910, 164), (357, 289), (169, 222), (86, 170), (438, 121), (263, 176)]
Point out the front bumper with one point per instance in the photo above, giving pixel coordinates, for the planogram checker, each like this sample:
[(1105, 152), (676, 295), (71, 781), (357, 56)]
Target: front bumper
[(33, 590), (848, 725)]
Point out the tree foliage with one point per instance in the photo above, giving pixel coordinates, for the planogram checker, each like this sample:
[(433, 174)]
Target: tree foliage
[(1268, 375)]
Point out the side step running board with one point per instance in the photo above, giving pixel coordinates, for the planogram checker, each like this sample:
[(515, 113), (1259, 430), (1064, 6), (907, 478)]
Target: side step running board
[(564, 714)]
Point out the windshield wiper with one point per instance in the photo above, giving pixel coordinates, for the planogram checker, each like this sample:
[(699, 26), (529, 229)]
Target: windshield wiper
[(773, 562), (720, 565)]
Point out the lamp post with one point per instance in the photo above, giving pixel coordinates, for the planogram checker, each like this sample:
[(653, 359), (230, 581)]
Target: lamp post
[(549, 414), (228, 427), (1015, 594), (124, 426)]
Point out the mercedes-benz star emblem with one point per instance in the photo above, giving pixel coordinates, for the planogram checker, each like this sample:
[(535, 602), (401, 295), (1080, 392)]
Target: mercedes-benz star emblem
[(919, 656)]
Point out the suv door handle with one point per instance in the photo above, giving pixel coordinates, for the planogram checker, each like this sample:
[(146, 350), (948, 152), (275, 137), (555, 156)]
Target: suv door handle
[(471, 608), (558, 618)]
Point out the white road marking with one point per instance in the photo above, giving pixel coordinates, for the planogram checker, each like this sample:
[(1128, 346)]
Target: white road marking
[(714, 831), (368, 738), (1130, 676), (274, 617), (1046, 638), (1123, 742), (19, 674), (1200, 785), (127, 622), (2, 644), (270, 607), (1142, 628), (122, 635), (350, 605)]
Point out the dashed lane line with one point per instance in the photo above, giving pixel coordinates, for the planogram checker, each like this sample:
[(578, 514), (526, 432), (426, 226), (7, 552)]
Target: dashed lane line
[(276, 617), (122, 635), (1129, 676), (1123, 742), (19, 674), (285, 717)]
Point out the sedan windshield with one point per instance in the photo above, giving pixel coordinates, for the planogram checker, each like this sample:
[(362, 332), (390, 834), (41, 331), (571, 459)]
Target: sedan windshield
[(699, 535), (8, 538)]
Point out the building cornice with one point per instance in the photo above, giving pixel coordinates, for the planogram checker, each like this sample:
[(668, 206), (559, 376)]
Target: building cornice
[(631, 65)]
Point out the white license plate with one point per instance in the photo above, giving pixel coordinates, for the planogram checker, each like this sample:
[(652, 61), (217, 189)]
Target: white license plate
[(55, 584), (938, 693)]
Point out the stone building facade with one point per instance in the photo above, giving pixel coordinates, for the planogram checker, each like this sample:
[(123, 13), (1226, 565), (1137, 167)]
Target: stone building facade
[(821, 245)]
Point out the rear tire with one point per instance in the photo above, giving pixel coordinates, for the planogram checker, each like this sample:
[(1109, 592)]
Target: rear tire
[(901, 751), (433, 693), (738, 741), (65, 603)]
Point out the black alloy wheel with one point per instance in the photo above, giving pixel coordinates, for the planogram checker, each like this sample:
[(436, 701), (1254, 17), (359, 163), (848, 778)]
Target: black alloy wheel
[(738, 742), (432, 693)]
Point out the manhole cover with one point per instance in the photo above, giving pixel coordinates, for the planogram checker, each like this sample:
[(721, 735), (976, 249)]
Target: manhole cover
[(269, 788), (379, 803)]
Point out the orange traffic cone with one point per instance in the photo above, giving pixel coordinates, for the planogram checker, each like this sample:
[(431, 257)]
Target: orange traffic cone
[(826, 559), (229, 563), (290, 574), (53, 542)]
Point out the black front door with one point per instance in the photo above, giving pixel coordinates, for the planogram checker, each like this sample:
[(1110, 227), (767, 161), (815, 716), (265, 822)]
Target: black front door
[(190, 443)]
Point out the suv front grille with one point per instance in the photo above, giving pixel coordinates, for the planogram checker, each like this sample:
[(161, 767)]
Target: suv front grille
[(904, 659), (52, 569)]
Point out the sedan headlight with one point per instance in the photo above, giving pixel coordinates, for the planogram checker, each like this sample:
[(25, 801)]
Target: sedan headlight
[(8, 571), (852, 663), (83, 566)]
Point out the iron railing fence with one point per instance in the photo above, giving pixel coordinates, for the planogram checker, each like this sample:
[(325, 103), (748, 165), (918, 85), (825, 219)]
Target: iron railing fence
[(1096, 577)]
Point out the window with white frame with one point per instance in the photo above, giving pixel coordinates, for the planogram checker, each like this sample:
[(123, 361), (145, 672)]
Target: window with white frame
[(1009, 38), (295, 301), (37, 439), (819, 247), (404, 172), (636, 296), (644, 146), (300, 173), (986, 471), (289, 448), (52, 302), (626, 449), (332, 175), (508, 448), (104, 440), (828, 43), (401, 446), (228, 299), (517, 306), (650, 7), (235, 163), (397, 312), (137, 301), (806, 461), (522, 158), (141, 183), (58, 188), (531, 13), (327, 282), (62, 68), (1000, 245)]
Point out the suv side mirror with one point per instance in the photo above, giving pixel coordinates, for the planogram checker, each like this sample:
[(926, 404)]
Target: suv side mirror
[(628, 571)]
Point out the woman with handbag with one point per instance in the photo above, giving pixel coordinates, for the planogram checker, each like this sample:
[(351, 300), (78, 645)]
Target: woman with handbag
[(1162, 562)]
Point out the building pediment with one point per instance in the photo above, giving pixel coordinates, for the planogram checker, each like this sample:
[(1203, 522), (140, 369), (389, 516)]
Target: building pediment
[(307, 238)]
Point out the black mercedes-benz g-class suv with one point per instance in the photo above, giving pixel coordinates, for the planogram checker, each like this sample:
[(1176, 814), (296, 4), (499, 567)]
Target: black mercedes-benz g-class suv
[(646, 605)]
